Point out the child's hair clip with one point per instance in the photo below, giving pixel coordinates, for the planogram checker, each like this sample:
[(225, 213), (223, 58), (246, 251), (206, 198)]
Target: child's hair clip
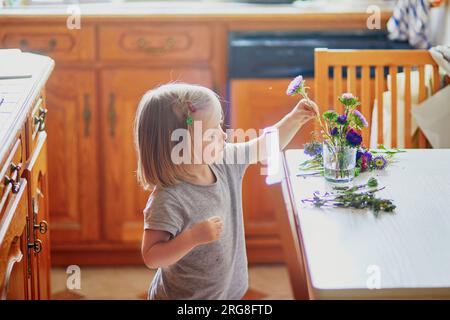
[(191, 107)]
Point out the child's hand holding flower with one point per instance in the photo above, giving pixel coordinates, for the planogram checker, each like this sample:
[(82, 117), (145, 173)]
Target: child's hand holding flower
[(306, 109)]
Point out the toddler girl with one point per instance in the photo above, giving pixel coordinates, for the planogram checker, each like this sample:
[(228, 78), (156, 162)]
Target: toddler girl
[(193, 223)]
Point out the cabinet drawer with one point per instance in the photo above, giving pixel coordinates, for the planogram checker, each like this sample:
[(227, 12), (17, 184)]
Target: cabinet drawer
[(155, 43), (10, 172), (55, 41)]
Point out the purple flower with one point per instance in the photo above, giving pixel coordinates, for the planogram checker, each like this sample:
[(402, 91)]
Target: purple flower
[(359, 154), (313, 148), (379, 162), (353, 138), (347, 96), (295, 86), (342, 119), (368, 156), (360, 120), (334, 131)]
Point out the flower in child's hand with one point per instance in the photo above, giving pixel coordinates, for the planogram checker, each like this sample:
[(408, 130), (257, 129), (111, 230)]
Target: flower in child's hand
[(296, 86), (342, 119), (353, 138), (360, 120), (379, 162)]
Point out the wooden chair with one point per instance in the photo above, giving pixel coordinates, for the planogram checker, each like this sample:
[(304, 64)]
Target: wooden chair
[(290, 236), (368, 88)]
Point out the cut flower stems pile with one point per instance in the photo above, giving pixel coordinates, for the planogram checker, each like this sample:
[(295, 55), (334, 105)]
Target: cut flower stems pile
[(356, 197)]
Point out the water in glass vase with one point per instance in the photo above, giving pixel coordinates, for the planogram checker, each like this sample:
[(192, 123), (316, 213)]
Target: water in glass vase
[(338, 162)]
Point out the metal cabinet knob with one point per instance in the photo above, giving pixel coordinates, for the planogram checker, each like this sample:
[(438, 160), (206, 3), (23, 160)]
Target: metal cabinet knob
[(36, 246), (42, 227), (14, 184)]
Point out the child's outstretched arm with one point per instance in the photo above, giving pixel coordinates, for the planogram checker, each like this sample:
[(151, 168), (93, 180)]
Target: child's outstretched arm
[(287, 128), (158, 251)]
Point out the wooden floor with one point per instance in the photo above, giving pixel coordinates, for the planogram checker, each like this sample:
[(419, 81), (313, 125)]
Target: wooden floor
[(266, 282)]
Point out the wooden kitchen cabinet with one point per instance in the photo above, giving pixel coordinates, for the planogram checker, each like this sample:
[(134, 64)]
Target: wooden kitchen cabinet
[(24, 218), (16, 282), (36, 175), (258, 103), (123, 199), (14, 260), (72, 126)]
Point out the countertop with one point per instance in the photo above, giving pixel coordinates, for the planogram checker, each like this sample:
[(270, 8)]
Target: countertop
[(17, 95), (196, 8)]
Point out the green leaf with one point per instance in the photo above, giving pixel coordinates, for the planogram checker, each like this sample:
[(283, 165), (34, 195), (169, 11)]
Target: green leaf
[(330, 115)]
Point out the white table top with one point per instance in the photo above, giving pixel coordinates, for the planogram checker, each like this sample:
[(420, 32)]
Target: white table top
[(408, 251)]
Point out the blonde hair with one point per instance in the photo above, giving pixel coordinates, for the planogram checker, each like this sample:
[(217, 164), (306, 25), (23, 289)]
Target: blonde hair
[(161, 111)]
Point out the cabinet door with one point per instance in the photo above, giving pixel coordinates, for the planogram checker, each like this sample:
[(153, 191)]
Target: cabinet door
[(14, 259), (258, 103), (122, 89), (73, 177), (38, 220)]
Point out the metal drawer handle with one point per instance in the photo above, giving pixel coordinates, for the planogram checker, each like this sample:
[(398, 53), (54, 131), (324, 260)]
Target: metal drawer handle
[(112, 116), (36, 246), (42, 227), (87, 115), (51, 45), (39, 120), (15, 185), (145, 46), (16, 168)]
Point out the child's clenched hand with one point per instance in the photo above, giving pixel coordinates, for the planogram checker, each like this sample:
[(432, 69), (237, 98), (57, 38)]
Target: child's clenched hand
[(208, 230)]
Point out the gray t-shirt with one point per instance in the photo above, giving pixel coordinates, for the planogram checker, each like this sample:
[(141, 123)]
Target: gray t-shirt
[(217, 270)]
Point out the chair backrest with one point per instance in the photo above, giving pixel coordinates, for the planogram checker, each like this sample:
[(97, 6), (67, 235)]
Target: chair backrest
[(290, 236), (364, 73)]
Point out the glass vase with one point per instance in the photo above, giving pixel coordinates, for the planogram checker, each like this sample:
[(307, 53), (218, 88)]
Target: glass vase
[(338, 162)]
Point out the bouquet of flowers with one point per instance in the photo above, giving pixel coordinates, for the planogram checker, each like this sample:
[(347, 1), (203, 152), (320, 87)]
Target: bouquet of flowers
[(341, 155)]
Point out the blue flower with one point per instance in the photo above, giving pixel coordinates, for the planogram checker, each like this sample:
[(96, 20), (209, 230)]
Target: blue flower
[(359, 153), (313, 148), (379, 162), (368, 156), (353, 138), (342, 119), (334, 131)]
